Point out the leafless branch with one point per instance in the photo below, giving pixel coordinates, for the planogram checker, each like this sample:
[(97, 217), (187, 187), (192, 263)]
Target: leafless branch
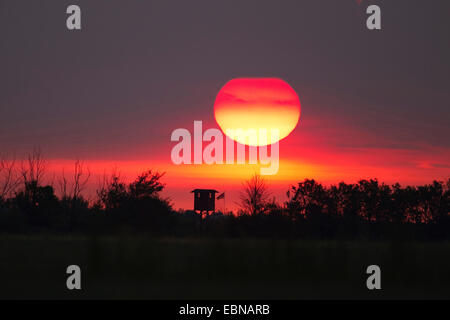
[(33, 170), (9, 179)]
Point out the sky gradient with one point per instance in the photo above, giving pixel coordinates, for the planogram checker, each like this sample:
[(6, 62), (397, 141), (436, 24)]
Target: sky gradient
[(374, 104)]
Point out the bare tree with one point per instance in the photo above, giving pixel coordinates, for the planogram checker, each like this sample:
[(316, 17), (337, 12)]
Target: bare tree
[(81, 176), (62, 182), (254, 196), (9, 179), (33, 169)]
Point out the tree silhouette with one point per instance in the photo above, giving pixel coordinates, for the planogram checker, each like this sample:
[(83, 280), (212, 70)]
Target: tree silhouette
[(33, 169), (254, 196), (113, 193), (147, 185), (9, 179), (39, 203), (307, 198)]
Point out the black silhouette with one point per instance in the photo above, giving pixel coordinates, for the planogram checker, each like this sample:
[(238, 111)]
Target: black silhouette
[(365, 210)]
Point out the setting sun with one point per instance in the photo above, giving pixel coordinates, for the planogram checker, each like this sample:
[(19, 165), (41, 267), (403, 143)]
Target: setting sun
[(257, 104)]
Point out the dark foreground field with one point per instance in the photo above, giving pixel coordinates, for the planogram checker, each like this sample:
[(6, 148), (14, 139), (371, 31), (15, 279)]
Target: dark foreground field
[(139, 267)]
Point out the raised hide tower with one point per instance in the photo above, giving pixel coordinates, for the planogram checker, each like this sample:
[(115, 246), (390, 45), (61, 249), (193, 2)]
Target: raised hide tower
[(204, 200)]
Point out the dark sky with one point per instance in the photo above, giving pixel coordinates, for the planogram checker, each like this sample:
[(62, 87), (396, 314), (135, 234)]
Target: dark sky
[(139, 69)]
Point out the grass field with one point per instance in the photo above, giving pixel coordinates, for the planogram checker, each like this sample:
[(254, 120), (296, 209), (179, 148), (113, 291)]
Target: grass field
[(139, 267)]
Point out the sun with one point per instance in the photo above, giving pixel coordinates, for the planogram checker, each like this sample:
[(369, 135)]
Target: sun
[(246, 105)]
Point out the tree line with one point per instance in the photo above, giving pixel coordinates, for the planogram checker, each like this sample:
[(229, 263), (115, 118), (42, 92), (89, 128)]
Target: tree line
[(364, 210)]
